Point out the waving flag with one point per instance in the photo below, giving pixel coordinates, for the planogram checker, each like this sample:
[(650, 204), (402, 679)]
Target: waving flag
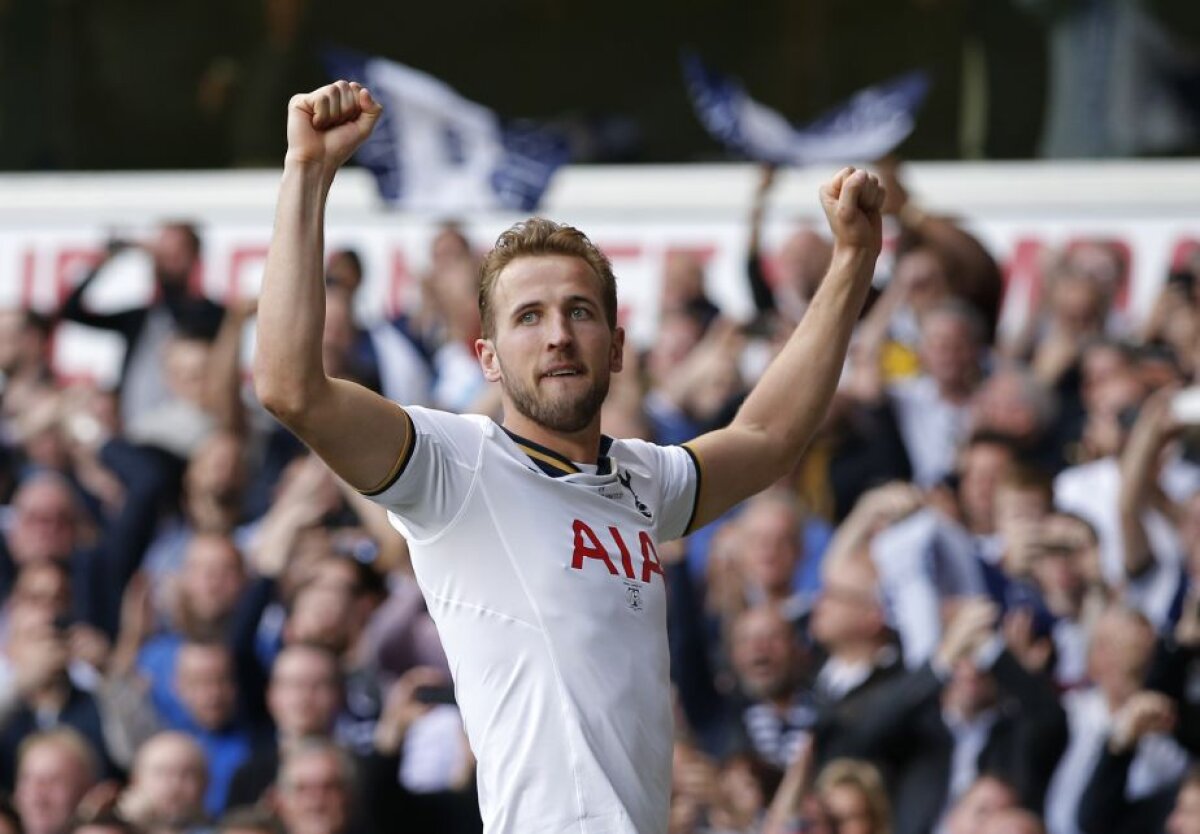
[(434, 150), (870, 124)]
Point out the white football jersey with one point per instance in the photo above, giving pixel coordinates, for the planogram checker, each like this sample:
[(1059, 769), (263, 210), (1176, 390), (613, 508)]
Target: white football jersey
[(546, 589)]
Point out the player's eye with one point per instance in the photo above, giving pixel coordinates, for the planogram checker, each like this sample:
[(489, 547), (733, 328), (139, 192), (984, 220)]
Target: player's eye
[(528, 317), (580, 313)]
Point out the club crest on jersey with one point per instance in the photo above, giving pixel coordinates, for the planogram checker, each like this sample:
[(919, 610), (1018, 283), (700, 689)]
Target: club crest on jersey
[(633, 596), (625, 478)]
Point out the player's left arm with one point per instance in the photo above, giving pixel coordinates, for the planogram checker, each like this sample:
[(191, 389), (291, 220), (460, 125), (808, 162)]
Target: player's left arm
[(779, 417)]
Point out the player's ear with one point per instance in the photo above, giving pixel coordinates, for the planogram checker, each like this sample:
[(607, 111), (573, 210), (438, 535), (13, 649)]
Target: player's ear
[(486, 351), (616, 358)]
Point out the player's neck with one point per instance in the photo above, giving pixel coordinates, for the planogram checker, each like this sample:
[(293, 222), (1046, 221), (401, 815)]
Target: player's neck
[(581, 447)]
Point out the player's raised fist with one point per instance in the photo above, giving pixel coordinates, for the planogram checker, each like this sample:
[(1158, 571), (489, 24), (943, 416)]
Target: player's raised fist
[(327, 125), (853, 204)]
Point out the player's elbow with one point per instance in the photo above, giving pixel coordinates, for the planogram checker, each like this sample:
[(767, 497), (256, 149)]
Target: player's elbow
[(284, 396), (278, 403)]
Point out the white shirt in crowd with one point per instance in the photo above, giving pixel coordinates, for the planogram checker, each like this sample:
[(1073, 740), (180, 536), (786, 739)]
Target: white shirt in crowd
[(1092, 490), (932, 428), (1158, 762)]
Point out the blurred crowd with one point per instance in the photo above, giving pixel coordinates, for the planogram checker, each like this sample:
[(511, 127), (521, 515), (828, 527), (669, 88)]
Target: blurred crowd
[(137, 84), (970, 610)]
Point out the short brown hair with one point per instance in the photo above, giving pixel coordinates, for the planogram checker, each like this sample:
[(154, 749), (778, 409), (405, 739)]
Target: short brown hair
[(866, 779), (539, 236), (1025, 477), (67, 738), (188, 230)]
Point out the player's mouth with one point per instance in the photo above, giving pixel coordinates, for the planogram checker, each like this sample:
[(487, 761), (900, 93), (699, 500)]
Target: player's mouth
[(562, 372)]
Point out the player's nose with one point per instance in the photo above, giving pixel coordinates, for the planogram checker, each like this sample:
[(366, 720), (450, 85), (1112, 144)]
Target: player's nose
[(558, 330)]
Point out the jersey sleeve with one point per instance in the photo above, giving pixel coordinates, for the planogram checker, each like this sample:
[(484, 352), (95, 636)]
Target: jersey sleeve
[(434, 473), (676, 472)]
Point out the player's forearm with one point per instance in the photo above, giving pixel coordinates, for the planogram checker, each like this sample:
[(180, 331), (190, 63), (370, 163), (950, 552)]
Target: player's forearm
[(788, 403), (288, 367)]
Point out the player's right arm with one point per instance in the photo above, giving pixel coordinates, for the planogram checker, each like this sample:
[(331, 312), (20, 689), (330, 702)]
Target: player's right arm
[(360, 435)]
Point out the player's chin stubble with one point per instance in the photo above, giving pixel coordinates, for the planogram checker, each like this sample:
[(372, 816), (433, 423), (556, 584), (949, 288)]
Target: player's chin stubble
[(563, 413)]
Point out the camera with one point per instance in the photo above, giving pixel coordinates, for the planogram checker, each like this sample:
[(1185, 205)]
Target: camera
[(434, 694)]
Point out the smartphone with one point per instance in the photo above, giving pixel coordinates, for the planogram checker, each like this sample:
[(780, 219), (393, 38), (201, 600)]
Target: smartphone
[(443, 694), (1185, 406)]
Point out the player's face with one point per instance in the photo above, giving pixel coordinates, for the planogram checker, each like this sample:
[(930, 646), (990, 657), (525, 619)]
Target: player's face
[(552, 349)]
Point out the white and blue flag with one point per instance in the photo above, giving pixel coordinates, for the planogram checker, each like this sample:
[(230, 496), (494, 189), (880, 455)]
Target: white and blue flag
[(867, 126), (433, 150)]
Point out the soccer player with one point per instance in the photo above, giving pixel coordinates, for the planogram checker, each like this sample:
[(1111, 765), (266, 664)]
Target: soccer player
[(535, 541)]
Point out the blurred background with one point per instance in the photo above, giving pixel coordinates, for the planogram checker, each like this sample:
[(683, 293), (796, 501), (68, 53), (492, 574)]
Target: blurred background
[(135, 84)]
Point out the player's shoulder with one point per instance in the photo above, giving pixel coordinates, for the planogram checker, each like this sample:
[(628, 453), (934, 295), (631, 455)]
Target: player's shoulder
[(426, 416), (629, 449), (464, 432), (634, 453)]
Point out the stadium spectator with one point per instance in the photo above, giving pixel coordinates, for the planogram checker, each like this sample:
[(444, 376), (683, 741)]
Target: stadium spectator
[(1065, 569), (388, 350), (760, 558), (932, 409), (207, 688), (24, 356), (854, 797), (850, 625), (55, 769), (1094, 489), (986, 797), (48, 525), (316, 794), (744, 784), (1110, 803), (973, 709), (46, 697), (177, 309), (1122, 645), (303, 699), (778, 712), (693, 374), (201, 600), (1012, 403), (167, 785)]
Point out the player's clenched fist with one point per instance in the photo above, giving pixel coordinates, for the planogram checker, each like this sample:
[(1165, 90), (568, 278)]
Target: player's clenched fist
[(853, 204), (327, 125)]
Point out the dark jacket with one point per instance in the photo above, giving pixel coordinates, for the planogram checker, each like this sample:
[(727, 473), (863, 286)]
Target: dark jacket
[(902, 728)]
